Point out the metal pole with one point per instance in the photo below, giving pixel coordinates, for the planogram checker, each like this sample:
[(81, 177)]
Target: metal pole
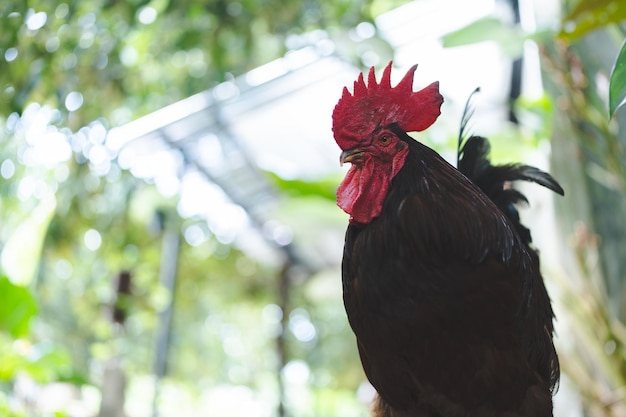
[(284, 293), (169, 264)]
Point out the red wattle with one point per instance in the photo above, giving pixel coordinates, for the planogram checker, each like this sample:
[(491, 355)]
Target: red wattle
[(362, 192)]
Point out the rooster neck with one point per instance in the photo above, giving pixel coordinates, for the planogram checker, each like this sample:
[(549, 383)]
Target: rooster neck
[(434, 215)]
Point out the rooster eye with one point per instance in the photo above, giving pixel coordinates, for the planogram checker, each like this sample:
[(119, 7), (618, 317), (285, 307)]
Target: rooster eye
[(384, 139)]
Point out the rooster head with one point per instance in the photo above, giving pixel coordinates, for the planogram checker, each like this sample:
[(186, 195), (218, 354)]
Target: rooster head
[(362, 123)]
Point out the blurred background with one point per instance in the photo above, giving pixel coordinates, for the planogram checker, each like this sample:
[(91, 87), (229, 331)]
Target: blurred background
[(169, 239)]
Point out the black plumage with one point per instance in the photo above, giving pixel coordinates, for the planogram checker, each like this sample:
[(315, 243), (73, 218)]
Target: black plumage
[(444, 293)]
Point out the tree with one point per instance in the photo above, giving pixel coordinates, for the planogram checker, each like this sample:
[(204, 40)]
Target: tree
[(118, 59)]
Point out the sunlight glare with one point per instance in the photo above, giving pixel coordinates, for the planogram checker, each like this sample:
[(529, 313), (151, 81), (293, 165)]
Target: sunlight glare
[(147, 15), (92, 239), (36, 21), (195, 235), (73, 101), (297, 372), (7, 169), (10, 54)]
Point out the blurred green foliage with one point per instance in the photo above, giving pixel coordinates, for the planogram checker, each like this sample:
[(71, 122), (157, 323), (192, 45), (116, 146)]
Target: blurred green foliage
[(588, 15), (617, 86), (323, 187), (509, 38), (17, 308), (68, 226), (122, 59)]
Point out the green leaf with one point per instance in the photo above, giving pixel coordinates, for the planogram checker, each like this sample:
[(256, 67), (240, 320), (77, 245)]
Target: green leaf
[(588, 6), (21, 253), (589, 15), (43, 362), (324, 188), (16, 309), (48, 363), (617, 84), (510, 38)]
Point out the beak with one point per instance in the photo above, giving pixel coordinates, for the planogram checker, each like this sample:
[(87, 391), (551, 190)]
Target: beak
[(351, 155)]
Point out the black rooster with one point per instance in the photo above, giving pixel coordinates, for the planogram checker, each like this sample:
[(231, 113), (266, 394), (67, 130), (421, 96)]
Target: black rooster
[(441, 286)]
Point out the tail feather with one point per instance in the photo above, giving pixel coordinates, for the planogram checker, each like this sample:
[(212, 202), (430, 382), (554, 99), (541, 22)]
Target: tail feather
[(495, 181), (468, 112)]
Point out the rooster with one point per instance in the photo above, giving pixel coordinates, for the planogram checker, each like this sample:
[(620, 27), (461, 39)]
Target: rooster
[(440, 283)]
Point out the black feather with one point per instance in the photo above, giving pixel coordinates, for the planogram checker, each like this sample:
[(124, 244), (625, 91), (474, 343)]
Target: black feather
[(468, 112), (495, 181)]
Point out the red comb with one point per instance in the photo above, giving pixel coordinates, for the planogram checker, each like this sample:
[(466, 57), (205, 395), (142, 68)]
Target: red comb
[(379, 104)]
